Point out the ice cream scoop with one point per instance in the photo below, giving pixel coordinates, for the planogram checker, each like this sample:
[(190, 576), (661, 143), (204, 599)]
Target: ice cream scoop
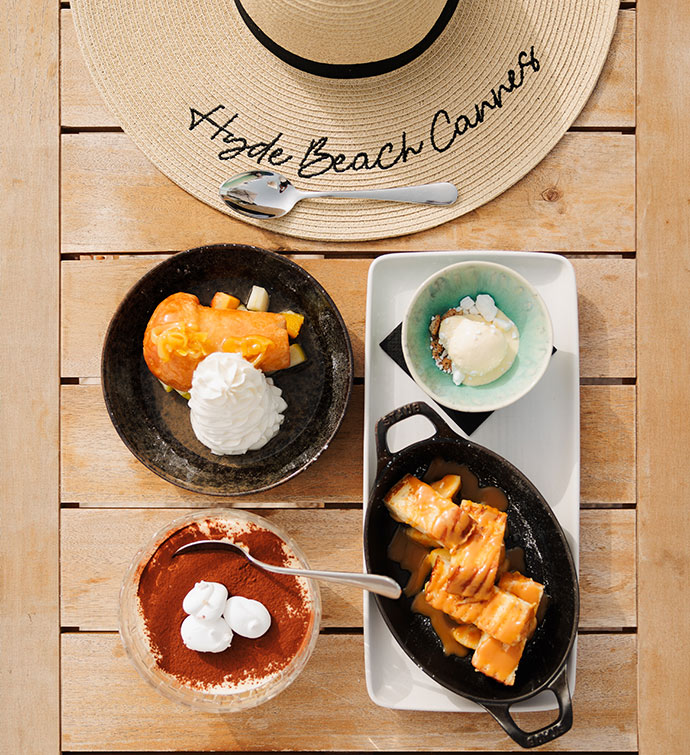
[(480, 341)]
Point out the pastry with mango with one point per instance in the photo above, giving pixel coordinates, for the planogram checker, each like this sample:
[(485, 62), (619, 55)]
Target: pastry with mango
[(182, 332)]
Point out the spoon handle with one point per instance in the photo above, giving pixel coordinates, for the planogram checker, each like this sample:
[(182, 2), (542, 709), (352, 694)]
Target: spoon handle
[(377, 583), (438, 193)]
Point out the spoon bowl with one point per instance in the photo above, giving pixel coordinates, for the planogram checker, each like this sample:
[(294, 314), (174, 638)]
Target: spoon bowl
[(265, 194), (381, 585)]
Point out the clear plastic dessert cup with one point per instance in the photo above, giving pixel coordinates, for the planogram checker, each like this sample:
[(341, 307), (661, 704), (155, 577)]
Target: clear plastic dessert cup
[(137, 644)]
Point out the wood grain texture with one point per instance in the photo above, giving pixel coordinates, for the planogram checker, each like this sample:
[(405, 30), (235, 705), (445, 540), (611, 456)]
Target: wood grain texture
[(329, 702), (92, 290), (118, 479), (663, 232), (606, 312), (97, 546), (611, 103), (607, 443), (607, 569), (29, 375), (114, 199)]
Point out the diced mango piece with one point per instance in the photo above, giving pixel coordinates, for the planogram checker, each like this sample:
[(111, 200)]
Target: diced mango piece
[(251, 348), (294, 323), (179, 338), (222, 300)]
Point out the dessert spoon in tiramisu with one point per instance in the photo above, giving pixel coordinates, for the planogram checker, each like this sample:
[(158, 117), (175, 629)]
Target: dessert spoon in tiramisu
[(376, 583)]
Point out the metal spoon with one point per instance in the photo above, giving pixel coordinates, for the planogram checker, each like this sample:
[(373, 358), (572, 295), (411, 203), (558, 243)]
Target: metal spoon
[(264, 194), (379, 584)]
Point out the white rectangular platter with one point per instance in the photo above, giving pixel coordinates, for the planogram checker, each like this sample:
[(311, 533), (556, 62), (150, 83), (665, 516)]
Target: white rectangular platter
[(539, 434)]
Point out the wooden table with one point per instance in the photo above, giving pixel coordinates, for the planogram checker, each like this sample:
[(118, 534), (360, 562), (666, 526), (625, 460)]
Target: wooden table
[(85, 215)]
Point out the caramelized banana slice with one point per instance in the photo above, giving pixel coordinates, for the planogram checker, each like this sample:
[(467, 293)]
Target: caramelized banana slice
[(507, 618), (497, 660), (463, 610), (415, 503), (474, 564)]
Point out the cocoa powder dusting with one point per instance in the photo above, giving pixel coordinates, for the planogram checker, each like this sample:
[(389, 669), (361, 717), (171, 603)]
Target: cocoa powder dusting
[(165, 581)]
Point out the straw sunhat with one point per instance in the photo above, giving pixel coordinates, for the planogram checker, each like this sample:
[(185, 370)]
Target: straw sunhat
[(346, 94)]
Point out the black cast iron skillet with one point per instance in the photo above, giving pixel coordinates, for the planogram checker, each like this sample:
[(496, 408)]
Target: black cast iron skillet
[(532, 526)]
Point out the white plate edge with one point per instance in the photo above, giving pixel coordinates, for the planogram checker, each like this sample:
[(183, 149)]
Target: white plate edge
[(451, 257)]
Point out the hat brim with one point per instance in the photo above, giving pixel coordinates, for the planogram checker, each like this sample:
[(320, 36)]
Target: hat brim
[(203, 99)]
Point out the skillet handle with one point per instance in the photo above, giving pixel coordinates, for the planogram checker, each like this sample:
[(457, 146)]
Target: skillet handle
[(539, 737), (383, 452)]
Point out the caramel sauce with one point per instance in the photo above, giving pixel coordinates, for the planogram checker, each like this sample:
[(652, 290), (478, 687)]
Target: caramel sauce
[(541, 608), (515, 560), (470, 489), (413, 557), (491, 656), (443, 626), (448, 485)]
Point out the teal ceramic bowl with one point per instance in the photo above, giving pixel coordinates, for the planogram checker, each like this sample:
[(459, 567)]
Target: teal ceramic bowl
[(516, 297)]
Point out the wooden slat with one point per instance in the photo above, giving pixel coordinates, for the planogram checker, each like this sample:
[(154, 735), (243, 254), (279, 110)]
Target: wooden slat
[(663, 231), (92, 289), (107, 706), (607, 447), (607, 569), (29, 375), (611, 104), (122, 481), (606, 312), (115, 200), (97, 546), (90, 444), (80, 101)]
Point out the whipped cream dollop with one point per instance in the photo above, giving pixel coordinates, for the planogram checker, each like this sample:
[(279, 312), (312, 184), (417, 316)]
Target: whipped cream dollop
[(214, 618), (247, 617), (234, 407), (206, 600), (480, 341), (206, 635)]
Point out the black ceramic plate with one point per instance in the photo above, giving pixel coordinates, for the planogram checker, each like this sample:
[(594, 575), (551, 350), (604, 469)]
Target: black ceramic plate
[(155, 425), (531, 525)]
